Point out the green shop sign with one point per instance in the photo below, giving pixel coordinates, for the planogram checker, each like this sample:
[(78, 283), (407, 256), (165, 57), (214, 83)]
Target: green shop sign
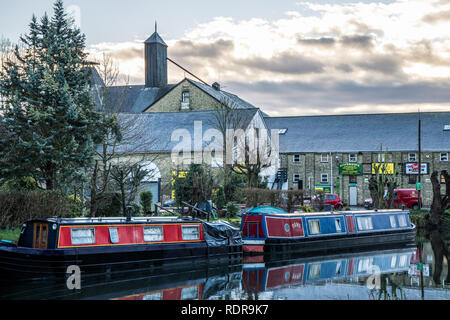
[(350, 169)]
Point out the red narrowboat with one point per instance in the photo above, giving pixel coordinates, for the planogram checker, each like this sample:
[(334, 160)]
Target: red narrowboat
[(47, 247), (269, 229)]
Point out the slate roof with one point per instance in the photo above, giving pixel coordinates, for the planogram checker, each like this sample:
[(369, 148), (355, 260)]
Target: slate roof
[(151, 132), (138, 98), (155, 38), (362, 133)]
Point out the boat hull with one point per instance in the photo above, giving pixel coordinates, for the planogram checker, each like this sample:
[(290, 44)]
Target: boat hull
[(26, 263), (346, 242)]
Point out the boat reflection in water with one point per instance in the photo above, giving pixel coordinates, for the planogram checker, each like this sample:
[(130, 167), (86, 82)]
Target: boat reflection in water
[(169, 283), (273, 275)]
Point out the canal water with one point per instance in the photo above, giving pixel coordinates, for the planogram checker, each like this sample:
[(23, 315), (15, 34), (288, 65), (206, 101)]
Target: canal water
[(415, 272)]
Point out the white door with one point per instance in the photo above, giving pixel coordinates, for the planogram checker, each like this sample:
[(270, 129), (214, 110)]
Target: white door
[(353, 196)]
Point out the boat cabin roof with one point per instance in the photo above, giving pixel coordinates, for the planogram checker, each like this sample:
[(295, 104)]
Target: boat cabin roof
[(107, 220), (280, 212)]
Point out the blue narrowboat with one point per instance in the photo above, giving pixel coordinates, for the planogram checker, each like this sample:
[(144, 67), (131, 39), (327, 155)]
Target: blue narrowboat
[(271, 275), (47, 247), (269, 229)]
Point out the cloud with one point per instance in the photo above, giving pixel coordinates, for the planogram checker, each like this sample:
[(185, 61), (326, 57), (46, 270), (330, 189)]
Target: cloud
[(441, 16), (320, 58)]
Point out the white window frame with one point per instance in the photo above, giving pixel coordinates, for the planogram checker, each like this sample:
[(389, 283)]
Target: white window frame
[(186, 94), (296, 178), (321, 178), (353, 157), (186, 235), (412, 159), (402, 221), (82, 240), (151, 236), (322, 159), (338, 225), (114, 235), (314, 227), (393, 221), (444, 157), (365, 223), (299, 158)]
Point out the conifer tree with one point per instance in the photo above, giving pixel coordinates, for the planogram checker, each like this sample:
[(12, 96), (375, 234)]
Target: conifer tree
[(48, 110)]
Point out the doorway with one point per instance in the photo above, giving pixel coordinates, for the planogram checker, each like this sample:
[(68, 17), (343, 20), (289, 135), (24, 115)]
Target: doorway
[(40, 235), (353, 196)]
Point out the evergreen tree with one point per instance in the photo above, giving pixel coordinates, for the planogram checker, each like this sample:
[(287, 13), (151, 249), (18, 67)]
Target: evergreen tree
[(48, 111)]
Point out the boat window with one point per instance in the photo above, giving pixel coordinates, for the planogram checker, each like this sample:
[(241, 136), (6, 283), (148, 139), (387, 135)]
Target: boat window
[(403, 261), (153, 233), (393, 261), (190, 232), (82, 236), (337, 222), (393, 221), (314, 272), (154, 296), (189, 293), (113, 235), (314, 226), (402, 221), (365, 223)]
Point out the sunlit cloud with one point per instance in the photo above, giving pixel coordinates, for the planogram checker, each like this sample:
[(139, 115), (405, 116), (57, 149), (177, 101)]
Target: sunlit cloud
[(318, 58)]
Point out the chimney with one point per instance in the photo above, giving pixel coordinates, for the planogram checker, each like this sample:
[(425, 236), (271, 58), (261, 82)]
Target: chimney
[(155, 61), (216, 86)]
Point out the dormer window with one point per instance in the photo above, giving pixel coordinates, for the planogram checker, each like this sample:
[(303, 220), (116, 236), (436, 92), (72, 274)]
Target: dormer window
[(185, 100)]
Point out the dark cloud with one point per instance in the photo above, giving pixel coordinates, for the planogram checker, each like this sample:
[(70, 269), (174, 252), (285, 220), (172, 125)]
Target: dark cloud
[(324, 41), (381, 63), (326, 96), (362, 41), (362, 28), (216, 49), (128, 54), (437, 17), (286, 62)]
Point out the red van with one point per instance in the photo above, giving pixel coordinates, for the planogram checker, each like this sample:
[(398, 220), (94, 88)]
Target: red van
[(407, 197), (332, 199)]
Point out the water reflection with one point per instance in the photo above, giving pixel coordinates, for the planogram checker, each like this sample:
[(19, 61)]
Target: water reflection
[(418, 272)]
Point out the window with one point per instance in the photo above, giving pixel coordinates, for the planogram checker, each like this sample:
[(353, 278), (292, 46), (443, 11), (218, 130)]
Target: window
[(324, 157), (352, 179), (444, 157), (282, 131), (190, 293), (442, 179), (403, 261), (330, 197), (393, 221), (352, 157), (393, 261), (82, 236), (152, 234), (402, 221), (324, 178), (185, 96), (365, 223), (314, 272), (190, 232), (296, 178), (412, 179), (412, 157), (296, 158), (381, 157), (314, 226), (337, 223), (113, 235)]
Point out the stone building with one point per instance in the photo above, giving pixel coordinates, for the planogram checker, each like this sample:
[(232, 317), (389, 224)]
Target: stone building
[(336, 153)]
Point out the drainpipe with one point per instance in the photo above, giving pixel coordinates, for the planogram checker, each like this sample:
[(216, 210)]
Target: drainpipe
[(331, 169)]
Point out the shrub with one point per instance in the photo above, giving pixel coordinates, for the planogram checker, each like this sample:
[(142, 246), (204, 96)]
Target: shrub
[(306, 209), (219, 198), (20, 206), (109, 205), (232, 209), (146, 201)]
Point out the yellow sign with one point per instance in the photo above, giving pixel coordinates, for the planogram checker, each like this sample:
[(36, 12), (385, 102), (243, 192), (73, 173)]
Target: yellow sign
[(383, 168)]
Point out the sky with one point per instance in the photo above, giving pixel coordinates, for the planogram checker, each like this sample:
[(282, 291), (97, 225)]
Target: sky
[(286, 57)]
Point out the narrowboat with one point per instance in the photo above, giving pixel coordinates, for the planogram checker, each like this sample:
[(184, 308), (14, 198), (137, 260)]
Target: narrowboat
[(269, 229), (274, 275), (46, 247)]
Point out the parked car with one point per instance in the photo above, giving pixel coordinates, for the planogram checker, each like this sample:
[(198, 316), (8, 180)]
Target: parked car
[(407, 197), (331, 199)]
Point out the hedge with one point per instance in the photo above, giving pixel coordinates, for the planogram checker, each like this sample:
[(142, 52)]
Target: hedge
[(20, 206)]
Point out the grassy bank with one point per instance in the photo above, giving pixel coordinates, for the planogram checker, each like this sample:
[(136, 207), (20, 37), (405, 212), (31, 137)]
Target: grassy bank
[(10, 235)]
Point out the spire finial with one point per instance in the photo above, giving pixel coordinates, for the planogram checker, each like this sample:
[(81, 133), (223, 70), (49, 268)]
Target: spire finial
[(156, 26)]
